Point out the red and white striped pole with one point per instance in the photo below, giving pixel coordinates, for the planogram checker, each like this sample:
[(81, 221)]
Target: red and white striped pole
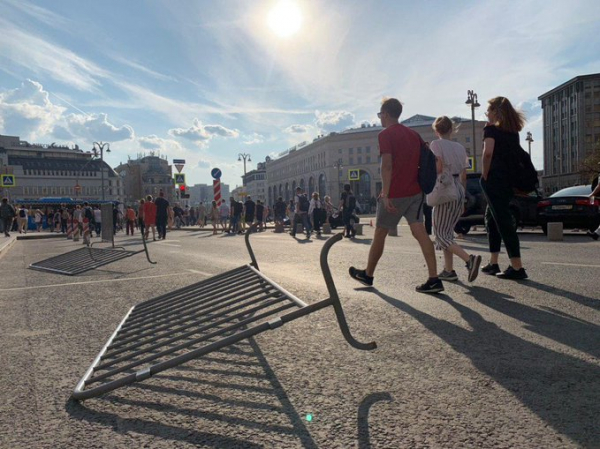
[(217, 190)]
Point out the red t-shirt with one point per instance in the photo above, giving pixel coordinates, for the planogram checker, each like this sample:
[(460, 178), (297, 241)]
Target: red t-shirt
[(149, 213), (404, 145)]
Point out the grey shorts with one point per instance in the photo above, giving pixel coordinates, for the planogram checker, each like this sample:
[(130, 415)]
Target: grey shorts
[(410, 207)]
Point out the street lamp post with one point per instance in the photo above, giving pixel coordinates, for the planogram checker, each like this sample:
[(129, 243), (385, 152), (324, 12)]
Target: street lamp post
[(338, 166), (244, 156), (98, 147), (472, 101), (529, 139)]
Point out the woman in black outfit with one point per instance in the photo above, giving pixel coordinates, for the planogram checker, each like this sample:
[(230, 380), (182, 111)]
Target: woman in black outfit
[(500, 139)]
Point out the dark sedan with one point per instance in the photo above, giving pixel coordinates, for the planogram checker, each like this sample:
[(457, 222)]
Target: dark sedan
[(571, 206)]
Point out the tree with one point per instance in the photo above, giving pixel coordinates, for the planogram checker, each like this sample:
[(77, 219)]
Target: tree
[(590, 166)]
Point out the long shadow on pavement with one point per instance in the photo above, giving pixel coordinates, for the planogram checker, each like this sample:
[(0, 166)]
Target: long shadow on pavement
[(233, 394), (562, 390), (364, 440)]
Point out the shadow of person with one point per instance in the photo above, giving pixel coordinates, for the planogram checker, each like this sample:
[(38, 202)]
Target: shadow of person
[(364, 440), (560, 389), (231, 398), (550, 323), (580, 299)]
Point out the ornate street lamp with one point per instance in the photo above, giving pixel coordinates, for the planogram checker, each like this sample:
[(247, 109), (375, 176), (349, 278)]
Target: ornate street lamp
[(98, 147), (472, 101), (529, 139), (244, 156)]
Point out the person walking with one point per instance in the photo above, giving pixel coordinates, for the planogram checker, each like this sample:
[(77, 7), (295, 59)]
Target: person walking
[(224, 215), (500, 142), (162, 214), (316, 212), (201, 215), (451, 159), (141, 222), (401, 195), (301, 206), (348, 206), (279, 211), (260, 214), (7, 215), (214, 216), (150, 217), (98, 220), (22, 220), (329, 209), (249, 212), (130, 215), (38, 220)]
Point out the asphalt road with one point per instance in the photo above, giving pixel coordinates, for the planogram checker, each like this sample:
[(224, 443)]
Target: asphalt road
[(496, 364)]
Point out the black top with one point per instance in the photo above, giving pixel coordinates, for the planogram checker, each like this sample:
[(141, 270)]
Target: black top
[(250, 207), (259, 211), (162, 206), (504, 145)]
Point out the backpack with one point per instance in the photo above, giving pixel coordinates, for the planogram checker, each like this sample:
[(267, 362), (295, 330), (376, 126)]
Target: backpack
[(22, 213), (88, 214), (427, 175), (303, 203), (524, 176)]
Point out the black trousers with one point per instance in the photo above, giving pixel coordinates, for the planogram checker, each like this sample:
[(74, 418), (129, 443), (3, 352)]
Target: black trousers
[(499, 221), (161, 226)]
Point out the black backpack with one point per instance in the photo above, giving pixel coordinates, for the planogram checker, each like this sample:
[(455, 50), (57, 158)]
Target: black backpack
[(524, 176), (303, 203), (427, 175)]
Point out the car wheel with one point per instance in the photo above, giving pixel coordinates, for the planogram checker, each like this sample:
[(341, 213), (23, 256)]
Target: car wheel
[(462, 228)]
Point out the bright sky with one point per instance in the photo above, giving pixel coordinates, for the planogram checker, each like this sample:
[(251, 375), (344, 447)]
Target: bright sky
[(205, 80)]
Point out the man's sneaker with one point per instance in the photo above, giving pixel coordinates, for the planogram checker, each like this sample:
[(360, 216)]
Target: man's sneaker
[(361, 276), (491, 269), (431, 286), (473, 267), (592, 235), (511, 273), (448, 276)]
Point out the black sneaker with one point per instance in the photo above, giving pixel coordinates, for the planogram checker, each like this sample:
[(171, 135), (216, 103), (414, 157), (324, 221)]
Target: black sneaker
[(511, 273), (431, 286), (361, 276), (473, 267), (491, 268), (592, 235)]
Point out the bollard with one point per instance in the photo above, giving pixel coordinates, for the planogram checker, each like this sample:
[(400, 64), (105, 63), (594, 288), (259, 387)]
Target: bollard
[(393, 232), (326, 228), (358, 227), (555, 231), (279, 228)]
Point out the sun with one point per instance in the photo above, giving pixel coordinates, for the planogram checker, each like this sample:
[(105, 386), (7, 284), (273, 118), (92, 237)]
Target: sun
[(285, 18)]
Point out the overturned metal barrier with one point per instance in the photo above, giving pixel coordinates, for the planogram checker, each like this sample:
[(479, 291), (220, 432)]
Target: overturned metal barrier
[(188, 323), (85, 259)]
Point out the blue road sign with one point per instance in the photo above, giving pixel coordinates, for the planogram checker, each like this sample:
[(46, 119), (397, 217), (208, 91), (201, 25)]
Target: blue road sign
[(180, 178), (7, 180), (216, 173)]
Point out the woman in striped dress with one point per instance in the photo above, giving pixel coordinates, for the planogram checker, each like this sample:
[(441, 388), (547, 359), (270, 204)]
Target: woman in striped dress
[(453, 156)]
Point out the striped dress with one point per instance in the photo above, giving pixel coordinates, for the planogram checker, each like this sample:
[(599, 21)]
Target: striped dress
[(445, 216)]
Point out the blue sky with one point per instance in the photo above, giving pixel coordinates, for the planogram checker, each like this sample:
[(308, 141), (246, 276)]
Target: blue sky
[(206, 80)]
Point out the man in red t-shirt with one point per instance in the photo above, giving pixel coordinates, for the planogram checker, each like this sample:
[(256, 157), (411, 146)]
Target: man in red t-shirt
[(401, 195)]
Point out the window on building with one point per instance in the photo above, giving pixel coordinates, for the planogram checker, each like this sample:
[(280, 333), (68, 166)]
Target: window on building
[(467, 139), (340, 151), (368, 149), (368, 159), (359, 150), (359, 159), (351, 160)]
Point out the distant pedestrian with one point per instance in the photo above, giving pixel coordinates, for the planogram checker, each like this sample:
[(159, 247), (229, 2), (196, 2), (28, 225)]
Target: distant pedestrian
[(38, 220), (500, 141), (201, 215), (260, 215), (317, 213), (249, 212), (301, 206), (329, 209), (64, 220), (451, 160), (150, 217), (279, 211), (214, 216), (22, 220), (7, 215), (290, 212), (348, 207), (141, 222), (97, 220), (162, 214), (401, 195), (130, 215), (224, 214)]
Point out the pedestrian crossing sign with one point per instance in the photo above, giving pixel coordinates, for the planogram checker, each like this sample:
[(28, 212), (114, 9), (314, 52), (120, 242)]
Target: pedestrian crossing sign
[(353, 175), (471, 164), (180, 178), (7, 181)]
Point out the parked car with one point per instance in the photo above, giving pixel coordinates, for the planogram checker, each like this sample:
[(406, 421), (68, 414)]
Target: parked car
[(571, 206), (523, 207)]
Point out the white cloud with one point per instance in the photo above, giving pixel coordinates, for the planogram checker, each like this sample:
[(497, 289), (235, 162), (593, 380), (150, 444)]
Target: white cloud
[(334, 120), (201, 134), (203, 163), (97, 127), (298, 129), (253, 139), (27, 111), (153, 142)]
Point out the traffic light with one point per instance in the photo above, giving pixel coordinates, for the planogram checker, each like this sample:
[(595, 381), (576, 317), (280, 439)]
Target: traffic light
[(182, 192)]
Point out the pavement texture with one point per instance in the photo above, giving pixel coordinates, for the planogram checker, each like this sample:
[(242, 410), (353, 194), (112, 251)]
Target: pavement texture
[(495, 364)]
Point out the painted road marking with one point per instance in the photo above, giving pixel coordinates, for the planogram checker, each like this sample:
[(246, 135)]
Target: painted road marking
[(571, 264), (103, 280)]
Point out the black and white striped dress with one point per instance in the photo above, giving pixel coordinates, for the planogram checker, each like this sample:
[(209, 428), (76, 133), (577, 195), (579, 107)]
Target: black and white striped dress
[(445, 216)]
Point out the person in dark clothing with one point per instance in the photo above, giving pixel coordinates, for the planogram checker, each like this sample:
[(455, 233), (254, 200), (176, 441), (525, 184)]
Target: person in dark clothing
[(249, 211), (7, 214), (500, 140), (260, 210), (280, 208), (347, 206), (162, 215)]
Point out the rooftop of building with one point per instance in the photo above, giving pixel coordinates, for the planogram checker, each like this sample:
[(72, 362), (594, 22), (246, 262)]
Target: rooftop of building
[(59, 164), (568, 83)]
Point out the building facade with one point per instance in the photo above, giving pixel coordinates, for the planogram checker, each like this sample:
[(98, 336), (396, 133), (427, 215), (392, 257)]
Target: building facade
[(325, 164), (255, 182), (51, 171), (571, 117), (146, 175), (204, 193)]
